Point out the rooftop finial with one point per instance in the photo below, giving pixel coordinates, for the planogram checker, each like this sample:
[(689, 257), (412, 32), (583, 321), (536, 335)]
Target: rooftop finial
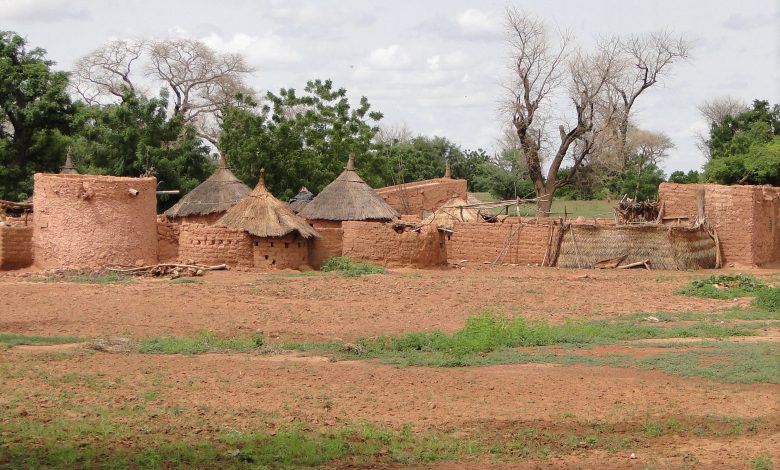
[(261, 182), (447, 169), (351, 162), (68, 167), (222, 163)]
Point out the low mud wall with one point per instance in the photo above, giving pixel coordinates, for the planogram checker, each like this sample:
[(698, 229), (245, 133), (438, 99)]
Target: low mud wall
[(329, 243), (212, 245), (94, 221), (167, 240), (745, 218), (288, 252), (428, 195), (511, 242), (16, 249), (378, 242)]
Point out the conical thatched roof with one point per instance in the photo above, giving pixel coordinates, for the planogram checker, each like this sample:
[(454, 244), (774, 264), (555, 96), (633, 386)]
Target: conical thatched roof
[(348, 197), (68, 168), (453, 211), (221, 191), (300, 200), (262, 215)]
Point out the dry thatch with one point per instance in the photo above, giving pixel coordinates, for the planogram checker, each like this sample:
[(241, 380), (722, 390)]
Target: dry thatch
[(665, 246), (262, 215), (348, 197), (221, 191), (68, 168), (300, 200), (454, 210)]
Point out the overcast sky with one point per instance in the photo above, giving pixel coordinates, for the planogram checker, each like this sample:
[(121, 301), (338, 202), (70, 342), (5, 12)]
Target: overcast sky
[(434, 65)]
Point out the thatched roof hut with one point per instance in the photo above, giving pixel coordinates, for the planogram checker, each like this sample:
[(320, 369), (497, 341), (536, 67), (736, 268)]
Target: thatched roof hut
[(262, 215), (348, 197), (68, 168), (454, 210), (221, 191), (300, 200)]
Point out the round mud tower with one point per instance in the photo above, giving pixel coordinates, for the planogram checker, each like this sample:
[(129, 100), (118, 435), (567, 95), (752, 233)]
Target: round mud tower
[(93, 221)]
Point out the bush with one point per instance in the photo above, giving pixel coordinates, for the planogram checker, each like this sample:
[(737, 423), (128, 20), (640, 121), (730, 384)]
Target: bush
[(344, 266), (724, 286), (768, 299)]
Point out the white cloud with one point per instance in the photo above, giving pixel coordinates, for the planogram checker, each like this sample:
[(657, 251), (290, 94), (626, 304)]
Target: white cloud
[(434, 62), (484, 23), (268, 48), (390, 57), (45, 11), (742, 22)]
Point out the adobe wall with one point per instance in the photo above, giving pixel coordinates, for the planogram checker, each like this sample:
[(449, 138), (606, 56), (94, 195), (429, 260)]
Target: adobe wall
[(745, 218), (377, 242), (427, 195), (288, 252), (329, 243), (16, 246), (208, 219), (521, 243), (167, 240), (212, 245), (92, 221)]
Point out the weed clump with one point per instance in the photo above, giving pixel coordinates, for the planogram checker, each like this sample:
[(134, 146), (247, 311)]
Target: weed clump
[(768, 299), (343, 265), (724, 286)]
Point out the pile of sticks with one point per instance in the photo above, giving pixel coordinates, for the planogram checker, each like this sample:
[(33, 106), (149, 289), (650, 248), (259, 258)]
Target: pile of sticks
[(629, 211), (173, 270)]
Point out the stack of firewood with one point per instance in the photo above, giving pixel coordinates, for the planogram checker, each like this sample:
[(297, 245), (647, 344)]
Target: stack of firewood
[(173, 270), (629, 211)]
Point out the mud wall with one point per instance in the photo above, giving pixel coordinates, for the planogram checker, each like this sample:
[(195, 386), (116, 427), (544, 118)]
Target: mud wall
[(290, 252), (90, 221), (212, 245), (745, 218), (510, 242), (209, 219), (16, 249), (377, 242), (329, 243), (427, 195), (167, 240)]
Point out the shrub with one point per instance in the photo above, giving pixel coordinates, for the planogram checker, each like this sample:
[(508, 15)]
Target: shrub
[(344, 266), (768, 299), (724, 286)]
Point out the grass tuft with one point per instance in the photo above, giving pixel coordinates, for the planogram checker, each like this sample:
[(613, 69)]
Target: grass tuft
[(110, 278), (724, 286), (768, 300), (9, 340), (202, 342), (343, 265)]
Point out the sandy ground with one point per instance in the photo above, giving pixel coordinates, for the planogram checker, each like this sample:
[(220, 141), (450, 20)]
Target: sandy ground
[(241, 391)]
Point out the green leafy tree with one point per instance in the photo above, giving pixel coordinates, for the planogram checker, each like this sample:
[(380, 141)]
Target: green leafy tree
[(681, 177), (745, 148), (35, 114), (136, 137), (303, 140)]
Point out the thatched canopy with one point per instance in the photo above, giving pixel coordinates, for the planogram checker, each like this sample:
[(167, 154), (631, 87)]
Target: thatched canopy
[(348, 197), (221, 191), (452, 211), (300, 200), (68, 168), (262, 215)]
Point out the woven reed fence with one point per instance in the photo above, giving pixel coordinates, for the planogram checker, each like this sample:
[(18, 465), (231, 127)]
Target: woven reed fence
[(665, 246)]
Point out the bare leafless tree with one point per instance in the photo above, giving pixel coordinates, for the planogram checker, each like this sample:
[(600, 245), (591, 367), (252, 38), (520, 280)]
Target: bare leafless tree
[(714, 111), (394, 133), (649, 148), (105, 73), (543, 68)]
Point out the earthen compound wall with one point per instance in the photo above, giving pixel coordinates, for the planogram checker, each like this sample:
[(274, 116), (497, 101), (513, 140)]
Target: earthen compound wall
[(89, 220), (212, 245), (16, 246), (510, 242), (745, 218), (288, 252), (428, 195), (167, 240), (377, 242), (329, 243)]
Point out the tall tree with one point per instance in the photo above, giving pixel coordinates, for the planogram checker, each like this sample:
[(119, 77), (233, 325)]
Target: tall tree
[(35, 112)]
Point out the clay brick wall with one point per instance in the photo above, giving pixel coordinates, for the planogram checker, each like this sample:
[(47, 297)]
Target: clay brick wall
[(16, 246), (328, 244), (745, 218), (209, 219), (290, 252), (377, 242), (92, 221), (208, 244), (167, 240), (477, 243), (427, 195)]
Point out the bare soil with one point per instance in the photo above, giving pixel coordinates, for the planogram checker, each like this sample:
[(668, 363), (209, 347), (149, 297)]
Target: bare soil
[(215, 392)]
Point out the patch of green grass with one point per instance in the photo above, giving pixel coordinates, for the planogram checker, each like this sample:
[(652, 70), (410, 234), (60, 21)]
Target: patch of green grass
[(202, 342), (9, 340), (186, 280), (724, 286), (762, 462), (768, 300), (111, 278), (344, 266)]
